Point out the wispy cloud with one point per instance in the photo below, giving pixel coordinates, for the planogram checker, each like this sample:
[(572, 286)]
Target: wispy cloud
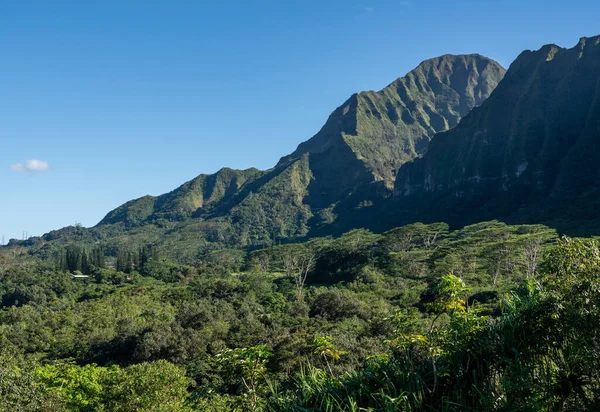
[(369, 9), (405, 3), (32, 165)]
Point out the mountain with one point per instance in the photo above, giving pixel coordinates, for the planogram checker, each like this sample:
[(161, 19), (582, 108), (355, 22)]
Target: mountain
[(530, 152), (458, 140), (351, 160), (182, 203), (373, 133)]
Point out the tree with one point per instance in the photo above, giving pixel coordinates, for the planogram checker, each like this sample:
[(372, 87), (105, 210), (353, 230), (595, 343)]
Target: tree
[(144, 257), (124, 262), (250, 366), (97, 257), (152, 386), (264, 261), (411, 236), (129, 263), (327, 351), (85, 264), (20, 390), (451, 299), (73, 259), (297, 264), (498, 260), (433, 232), (531, 253), (79, 387), (5, 264)]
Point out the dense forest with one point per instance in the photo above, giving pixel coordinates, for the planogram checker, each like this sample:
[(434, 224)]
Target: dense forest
[(488, 317)]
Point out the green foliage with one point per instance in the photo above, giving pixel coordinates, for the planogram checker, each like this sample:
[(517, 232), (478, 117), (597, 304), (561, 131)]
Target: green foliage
[(20, 390), (248, 365), (80, 388), (158, 386), (155, 386), (326, 350), (371, 330), (452, 292), (540, 355)]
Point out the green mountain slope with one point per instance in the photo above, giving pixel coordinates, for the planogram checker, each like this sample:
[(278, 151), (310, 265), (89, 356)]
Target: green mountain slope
[(531, 151), (199, 193), (374, 133), (350, 161)]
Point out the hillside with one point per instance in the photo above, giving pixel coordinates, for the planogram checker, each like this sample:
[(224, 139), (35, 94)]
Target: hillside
[(529, 153), (374, 133), (350, 162), (199, 193)]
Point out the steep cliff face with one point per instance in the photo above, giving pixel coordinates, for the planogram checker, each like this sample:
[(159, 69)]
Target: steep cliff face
[(533, 147), (374, 133)]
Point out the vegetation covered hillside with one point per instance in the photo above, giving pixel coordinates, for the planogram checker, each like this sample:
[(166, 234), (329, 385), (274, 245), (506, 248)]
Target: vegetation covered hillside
[(526, 154), (380, 131), (343, 168), (530, 151), (230, 293), (489, 317)]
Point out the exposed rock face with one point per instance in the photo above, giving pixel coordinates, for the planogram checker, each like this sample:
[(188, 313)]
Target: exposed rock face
[(533, 147), (373, 133)]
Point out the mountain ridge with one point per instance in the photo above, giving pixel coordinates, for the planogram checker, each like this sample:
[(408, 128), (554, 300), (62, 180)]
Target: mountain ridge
[(351, 159), (408, 112), (531, 147)]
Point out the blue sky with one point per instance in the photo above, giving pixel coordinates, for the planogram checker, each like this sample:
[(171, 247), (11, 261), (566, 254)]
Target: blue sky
[(126, 98)]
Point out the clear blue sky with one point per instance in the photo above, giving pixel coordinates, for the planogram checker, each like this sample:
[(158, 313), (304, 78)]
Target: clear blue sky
[(127, 98)]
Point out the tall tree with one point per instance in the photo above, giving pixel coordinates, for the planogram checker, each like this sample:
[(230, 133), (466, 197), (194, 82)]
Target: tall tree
[(85, 263), (73, 259)]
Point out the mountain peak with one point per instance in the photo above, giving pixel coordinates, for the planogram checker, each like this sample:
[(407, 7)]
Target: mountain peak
[(385, 129), (352, 158), (595, 40)]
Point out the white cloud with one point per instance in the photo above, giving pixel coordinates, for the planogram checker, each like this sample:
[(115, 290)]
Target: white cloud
[(32, 165)]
